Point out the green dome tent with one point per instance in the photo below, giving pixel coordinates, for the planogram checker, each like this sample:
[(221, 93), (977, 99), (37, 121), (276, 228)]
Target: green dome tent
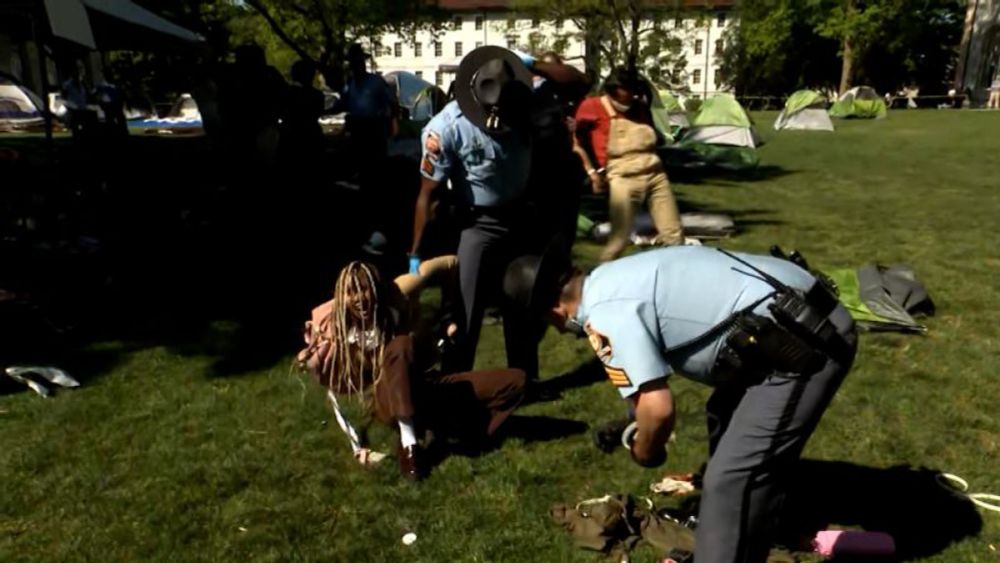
[(805, 110), (669, 116), (861, 102), (723, 121)]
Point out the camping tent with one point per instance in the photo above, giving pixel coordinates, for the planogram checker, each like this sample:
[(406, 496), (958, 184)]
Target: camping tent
[(183, 117), (723, 121), (884, 298), (861, 102), (420, 98), (805, 110), (669, 116), (19, 107)]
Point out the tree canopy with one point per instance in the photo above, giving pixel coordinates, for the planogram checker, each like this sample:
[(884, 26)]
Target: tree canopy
[(629, 33), (778, 46)]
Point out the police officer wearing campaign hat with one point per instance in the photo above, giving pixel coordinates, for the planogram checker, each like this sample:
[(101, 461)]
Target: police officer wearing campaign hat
[(481, 142), (768, 336)]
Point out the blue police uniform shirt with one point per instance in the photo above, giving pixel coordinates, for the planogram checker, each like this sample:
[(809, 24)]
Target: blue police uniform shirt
[(636, 308), (485, 170)]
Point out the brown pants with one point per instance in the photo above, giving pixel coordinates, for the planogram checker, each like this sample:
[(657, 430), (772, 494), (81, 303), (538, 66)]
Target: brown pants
[(469, 405), (628, 193)]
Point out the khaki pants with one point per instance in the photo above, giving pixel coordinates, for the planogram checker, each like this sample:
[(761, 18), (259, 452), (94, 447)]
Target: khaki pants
[(994, 102), (628, 193)]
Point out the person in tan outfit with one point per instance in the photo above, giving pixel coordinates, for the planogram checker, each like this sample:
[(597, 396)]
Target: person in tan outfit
[(618, 129), (363, 344)]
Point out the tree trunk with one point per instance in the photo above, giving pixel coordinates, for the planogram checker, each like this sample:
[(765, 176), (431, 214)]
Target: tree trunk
[(592, 52), (963, 48), (633, 43), (848, 67)]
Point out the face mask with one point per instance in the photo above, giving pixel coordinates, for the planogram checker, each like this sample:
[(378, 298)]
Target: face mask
[(620, 107)]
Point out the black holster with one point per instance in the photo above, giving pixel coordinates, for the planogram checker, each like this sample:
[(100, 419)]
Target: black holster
[(762, 345)]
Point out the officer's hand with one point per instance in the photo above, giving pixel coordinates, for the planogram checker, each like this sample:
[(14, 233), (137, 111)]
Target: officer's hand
[(653, 458), (528, 60), (415, 264), (597, 183)]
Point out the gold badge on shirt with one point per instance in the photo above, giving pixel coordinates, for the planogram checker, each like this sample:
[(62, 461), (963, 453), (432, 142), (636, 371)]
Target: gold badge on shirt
[(602, 347)]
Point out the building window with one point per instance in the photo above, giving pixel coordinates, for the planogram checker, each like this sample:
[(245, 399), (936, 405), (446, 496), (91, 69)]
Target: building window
[(720, 45), (718, 78), (696, 76), (678, 23), (511, 42), (479, 23), (456, 23), (418, 49), (479, 44), (559, 25), (458, 48), (511, 23), (438, 49), (720, 20), (397, 49), (439, 78), (698, 46), (419, 74), (535, 23)]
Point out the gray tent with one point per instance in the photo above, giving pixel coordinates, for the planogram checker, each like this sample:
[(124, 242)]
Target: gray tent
[(884, 298)]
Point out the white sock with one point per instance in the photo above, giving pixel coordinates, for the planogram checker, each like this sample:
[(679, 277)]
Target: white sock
[(407, 435)]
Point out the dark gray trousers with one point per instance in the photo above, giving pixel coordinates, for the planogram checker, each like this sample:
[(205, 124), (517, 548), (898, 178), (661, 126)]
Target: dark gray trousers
[(757, 434), (491, 239)]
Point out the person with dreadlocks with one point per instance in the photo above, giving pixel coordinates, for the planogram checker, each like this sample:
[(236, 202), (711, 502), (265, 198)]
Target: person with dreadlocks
[(363, 344)]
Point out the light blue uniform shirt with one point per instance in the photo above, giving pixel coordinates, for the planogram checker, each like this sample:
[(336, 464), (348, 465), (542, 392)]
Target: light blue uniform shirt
[(636, 308), (485, 170)]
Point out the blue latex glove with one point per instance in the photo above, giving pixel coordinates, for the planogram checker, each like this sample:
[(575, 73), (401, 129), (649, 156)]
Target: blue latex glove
[(415, 265), (528, 60)]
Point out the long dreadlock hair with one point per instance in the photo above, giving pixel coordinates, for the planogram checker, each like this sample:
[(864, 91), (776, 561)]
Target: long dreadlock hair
[(356, 366)]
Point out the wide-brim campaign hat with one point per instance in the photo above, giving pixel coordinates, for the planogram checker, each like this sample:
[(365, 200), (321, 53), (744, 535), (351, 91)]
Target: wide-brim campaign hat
[(532, 282), (484, 78)]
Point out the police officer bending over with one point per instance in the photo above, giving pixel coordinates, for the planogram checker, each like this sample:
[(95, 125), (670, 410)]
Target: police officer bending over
[(772, 340)]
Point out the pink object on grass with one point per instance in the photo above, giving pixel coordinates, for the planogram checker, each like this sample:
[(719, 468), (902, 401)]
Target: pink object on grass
[(845, 542)]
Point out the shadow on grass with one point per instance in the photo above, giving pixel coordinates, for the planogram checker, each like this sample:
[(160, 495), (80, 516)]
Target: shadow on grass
[(595, 207), (162, 259), (542, 428), (549, 390), (723, 177), (908, 503), (528, 429)]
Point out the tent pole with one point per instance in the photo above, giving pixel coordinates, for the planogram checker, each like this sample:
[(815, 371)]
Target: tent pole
[(43, 72)]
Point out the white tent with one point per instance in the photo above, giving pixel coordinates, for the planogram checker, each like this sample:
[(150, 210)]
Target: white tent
[(723, 121), (805, 110), (811, 119), (19, 107), (185, 109)]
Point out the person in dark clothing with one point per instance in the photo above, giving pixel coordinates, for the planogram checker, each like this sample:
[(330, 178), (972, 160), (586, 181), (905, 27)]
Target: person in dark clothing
[(252, 104), (301, 134)]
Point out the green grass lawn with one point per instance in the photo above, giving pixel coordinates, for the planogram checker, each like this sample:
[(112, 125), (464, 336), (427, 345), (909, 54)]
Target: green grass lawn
[(157, 458)]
